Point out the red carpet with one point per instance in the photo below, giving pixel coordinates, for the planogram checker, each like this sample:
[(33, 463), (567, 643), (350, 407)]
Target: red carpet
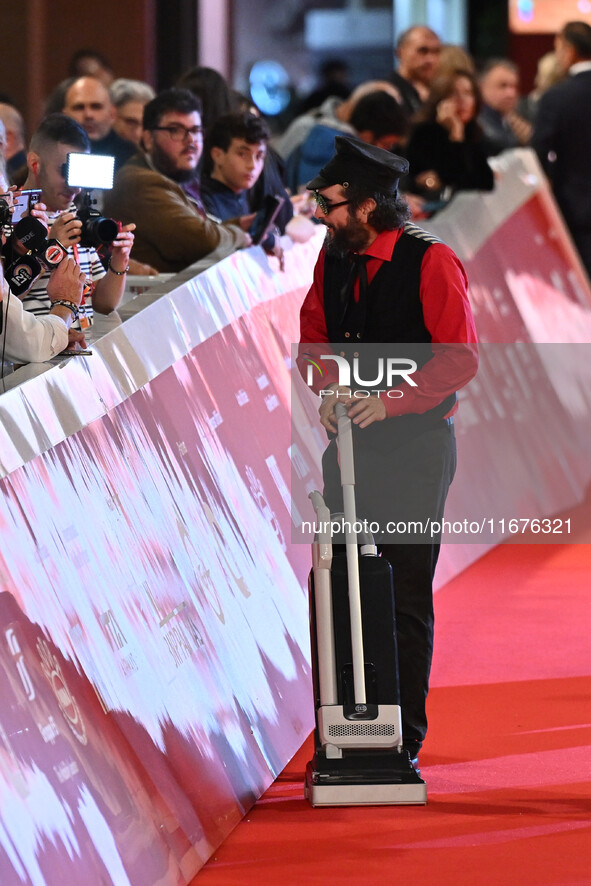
[(507, 760)]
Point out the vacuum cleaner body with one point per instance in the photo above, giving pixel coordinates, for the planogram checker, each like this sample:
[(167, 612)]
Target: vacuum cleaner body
[(358, 759)]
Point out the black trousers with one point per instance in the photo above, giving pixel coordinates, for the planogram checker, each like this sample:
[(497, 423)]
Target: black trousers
[(402, 485)]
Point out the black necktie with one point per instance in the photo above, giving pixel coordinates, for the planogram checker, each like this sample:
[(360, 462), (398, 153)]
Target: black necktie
[(354, 312)]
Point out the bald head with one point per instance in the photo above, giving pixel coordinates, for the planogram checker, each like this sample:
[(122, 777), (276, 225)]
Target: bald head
[(418, 50), (14, 128), (87, 100)]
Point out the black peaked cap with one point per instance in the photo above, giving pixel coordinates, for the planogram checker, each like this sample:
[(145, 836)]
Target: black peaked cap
[(356, 162)]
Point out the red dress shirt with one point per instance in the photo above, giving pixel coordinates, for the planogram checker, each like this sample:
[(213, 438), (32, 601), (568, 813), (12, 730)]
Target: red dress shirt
[(447, 316)]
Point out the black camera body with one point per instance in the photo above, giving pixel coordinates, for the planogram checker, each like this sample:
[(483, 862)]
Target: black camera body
[(97, 230), (90, 171)]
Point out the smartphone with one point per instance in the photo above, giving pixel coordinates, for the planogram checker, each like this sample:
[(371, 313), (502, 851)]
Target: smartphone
[(90, 171), (74, 353), (265, 217), (23, 203)]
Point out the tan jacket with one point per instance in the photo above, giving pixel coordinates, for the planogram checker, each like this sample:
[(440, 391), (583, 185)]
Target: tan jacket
[(170, 232)]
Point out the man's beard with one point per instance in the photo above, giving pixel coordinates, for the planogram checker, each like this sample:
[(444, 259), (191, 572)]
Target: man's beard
[(354, 237), (163, 164)]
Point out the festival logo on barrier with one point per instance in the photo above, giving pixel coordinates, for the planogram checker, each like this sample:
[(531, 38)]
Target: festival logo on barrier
[(66, 701)]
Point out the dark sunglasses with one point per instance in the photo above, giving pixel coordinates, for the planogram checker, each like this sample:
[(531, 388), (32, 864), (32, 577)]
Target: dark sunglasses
[(325, 205)]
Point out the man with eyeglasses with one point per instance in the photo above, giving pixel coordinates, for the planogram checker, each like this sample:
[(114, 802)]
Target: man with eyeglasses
[(384, 289), (172, 229)]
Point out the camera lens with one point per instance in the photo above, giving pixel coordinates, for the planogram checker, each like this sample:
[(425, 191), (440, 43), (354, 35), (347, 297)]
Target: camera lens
[(99, 231)]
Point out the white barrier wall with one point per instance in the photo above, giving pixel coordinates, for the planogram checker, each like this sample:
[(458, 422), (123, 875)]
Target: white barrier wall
[(153, 612)]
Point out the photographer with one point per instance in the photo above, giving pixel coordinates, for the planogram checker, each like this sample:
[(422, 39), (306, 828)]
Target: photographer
[(56, 137), (29, 339)]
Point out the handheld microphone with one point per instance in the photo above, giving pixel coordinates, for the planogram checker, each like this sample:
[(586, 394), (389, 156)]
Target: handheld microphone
[(52, 254), (33, 253), (30, 235), (22, 273)]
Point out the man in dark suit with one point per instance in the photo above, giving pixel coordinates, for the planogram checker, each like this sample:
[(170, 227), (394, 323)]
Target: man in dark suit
[(418, 50), (562, 134)]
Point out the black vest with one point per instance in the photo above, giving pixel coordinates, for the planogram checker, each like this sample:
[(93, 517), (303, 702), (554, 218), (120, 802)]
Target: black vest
[(393, 315)]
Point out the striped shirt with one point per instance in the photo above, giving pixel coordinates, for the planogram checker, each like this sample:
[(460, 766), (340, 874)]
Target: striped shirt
[(37, 301)]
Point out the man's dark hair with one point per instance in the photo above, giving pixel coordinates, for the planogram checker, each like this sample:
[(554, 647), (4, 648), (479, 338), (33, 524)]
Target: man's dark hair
[(246, 126), (180, 100), (578, 34), (380, 113), (59, 129), (390, 213)]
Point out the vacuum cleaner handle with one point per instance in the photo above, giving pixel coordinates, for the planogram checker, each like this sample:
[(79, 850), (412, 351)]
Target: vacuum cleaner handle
[(345, 440)]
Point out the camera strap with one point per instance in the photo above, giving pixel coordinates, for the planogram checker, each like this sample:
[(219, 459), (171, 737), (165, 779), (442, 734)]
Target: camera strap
[(87, 291)]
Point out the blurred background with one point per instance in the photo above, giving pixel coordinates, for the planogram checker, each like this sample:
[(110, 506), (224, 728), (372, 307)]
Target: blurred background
[(272, 49)]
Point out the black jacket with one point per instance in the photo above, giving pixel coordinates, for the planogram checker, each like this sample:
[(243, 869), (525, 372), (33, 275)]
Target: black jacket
[(562, 141)]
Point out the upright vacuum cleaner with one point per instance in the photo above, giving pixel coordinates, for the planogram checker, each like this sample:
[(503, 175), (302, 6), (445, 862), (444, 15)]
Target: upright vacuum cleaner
[(358, 757)]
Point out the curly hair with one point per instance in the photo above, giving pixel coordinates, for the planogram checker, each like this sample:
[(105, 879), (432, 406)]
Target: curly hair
[(391, 210)]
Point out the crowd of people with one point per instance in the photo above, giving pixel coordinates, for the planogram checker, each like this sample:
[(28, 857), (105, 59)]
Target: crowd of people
[(195, 163)]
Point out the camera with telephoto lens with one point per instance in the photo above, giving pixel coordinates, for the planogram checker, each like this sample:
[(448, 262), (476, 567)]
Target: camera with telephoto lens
[(96, 229), (89, 171)]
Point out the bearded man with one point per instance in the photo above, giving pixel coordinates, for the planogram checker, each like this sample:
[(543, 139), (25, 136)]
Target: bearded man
[(385, 290)]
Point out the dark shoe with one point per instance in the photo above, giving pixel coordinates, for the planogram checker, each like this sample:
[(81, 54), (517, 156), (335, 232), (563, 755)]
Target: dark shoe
[(409, 762)]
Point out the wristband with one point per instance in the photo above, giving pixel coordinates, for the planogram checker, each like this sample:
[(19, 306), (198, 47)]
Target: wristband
[(118, 273), (66, 304)]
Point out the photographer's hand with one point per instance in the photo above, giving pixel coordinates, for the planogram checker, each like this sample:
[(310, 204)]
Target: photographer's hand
[(122, 246), (66, 283), (67, 228)]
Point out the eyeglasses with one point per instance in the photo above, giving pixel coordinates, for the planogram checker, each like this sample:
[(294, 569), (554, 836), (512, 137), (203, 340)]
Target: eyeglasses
[(178, 132), (325, 205)]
